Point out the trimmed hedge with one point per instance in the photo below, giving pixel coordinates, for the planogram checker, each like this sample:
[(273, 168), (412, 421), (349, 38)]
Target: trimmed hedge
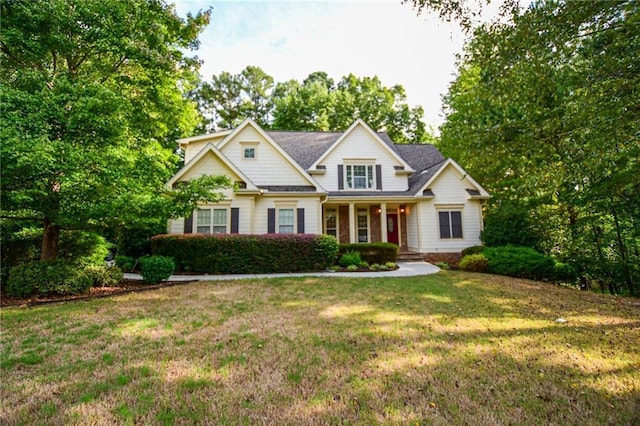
[(380, 253), (247, 254), (474, 263), (156, 268), (473, 250)]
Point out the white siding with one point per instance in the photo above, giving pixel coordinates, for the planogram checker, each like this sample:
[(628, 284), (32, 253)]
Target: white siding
[(412, 229), (176, 226), (193, 148), (311, 206), (361, 144), (211, 165), (450, 194), (268, 168)]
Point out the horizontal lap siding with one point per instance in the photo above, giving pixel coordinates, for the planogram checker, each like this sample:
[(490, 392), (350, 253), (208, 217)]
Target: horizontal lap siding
[(268, 168), (360, 144)]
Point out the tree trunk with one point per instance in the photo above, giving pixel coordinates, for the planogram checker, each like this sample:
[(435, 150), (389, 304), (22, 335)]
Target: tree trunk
[(50, 241)]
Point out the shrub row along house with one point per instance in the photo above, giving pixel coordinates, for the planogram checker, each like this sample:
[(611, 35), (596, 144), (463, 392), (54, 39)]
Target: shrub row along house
[(356, 185)]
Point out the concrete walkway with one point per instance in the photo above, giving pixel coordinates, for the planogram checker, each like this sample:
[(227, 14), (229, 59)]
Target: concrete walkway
[(405, 269)]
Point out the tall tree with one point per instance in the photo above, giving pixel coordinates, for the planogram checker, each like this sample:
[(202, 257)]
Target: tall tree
[(92, 102), (229, 98), (551, 99)]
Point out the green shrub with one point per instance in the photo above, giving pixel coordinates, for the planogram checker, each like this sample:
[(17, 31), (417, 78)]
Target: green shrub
[(473, 250), (104, 276), (248, 254), (126, 263), (523, 262), (350, 258), (156, 268), (563, 272), (474, 262), (364, 264), (352, 268), (47, 278), (391, 265), (443, 265), (374, 267), (372, 252), (509, 224)]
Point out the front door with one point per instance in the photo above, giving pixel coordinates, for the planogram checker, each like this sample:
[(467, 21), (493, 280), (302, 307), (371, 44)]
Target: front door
[(392, 228)]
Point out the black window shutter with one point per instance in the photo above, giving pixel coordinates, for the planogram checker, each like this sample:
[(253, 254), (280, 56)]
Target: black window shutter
[(456, 224), (378, 176), (271, 221), (188, 224), (235, 216), (340, 176), (301, 221), (445, 230)]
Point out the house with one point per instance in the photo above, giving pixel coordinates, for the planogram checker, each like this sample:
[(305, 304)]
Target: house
[(356, 185)]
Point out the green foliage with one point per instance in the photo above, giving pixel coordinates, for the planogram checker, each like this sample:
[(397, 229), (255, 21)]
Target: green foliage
[(506, 224), (473, 250), (104, 276), (550, 97), (126, 263), (352, 268), (364, 264), (372, 252), (243, 254), (47, 278), (443, 265), (316, 104), (522, 262), (391, 265), (474, 263), (350, 258), (92, 102), (156, 268)]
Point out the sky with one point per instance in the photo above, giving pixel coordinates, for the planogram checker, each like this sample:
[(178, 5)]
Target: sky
[(292, 39)]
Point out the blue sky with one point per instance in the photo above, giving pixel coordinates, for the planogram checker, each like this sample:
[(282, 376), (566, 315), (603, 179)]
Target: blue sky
[(291, 39)]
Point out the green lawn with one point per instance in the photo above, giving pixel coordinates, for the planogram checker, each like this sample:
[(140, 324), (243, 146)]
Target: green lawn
[(451, 348)]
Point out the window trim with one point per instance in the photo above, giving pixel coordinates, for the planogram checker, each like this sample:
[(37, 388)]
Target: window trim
[(247, 145), (358, 228), (369, 176), (337, 216), (293, 222), (211, 224), (286, 205), (451, 236)]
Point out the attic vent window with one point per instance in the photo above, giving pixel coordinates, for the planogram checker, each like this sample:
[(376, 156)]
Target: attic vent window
[(249, 153)]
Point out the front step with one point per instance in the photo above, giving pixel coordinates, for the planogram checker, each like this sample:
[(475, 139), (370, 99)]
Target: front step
[(408, 256)]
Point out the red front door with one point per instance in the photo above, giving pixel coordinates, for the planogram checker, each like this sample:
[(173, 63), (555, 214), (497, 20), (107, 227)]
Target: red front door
[(392, 228)]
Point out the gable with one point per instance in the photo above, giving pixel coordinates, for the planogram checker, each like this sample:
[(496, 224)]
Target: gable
[(270, 165), (359, 141), (451, 183)]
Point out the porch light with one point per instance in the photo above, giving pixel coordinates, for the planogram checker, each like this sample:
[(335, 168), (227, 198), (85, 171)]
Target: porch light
[(378, 210), (401, 209)]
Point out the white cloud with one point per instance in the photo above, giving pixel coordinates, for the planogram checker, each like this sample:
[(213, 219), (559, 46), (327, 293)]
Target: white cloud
[(290, 40)]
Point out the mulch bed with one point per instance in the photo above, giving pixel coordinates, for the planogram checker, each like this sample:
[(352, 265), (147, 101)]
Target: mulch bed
[(126, 286)]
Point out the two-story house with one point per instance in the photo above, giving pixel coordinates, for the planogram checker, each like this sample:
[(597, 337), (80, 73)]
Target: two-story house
[(356, 185)]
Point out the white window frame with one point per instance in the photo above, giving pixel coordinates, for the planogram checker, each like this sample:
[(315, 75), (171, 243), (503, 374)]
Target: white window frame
[(451, 233), (337, 216), (279, 223), (369, 176), (249, 145), (211, 225), (358, 227)]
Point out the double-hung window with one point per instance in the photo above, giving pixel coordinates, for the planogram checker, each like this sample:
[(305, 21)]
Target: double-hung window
[(359, 176), (331, 222), (362, 223), (450, 224), (286, 221), (211, 221)]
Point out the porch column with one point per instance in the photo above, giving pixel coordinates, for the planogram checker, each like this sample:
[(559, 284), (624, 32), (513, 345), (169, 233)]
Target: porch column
[(383, 222), (352, 223)]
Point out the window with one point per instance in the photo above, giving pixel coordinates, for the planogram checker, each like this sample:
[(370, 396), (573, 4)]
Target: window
[(211, 221), (359, 176), (250, 153), (450, 224), (285, 221), (362, 224), (331, 222)]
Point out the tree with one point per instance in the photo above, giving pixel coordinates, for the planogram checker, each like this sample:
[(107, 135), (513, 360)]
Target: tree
[(229, 98), (92, 102), (545, 112)]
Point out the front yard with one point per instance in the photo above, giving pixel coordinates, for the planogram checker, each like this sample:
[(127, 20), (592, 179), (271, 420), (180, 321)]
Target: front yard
[(452, 348)]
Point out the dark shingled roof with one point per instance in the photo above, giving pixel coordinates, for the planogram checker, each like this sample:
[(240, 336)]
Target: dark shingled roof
[(306, 147), (289, 188)]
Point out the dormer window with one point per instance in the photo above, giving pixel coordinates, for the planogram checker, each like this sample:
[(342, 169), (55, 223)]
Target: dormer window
[(359, 176)]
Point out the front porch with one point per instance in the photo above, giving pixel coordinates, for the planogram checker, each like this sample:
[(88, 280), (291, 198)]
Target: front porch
[(367, 222)]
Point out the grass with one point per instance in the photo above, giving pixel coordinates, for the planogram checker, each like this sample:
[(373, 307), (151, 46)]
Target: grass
[(453, 348)]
